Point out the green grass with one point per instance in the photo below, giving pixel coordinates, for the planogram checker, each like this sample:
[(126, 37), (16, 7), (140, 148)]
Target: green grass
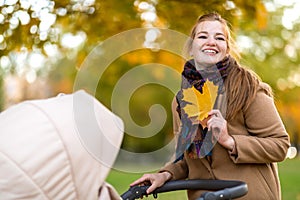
[(289, 172)]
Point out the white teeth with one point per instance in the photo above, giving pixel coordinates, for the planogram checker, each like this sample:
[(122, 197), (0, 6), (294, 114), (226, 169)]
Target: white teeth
[(209, 51)]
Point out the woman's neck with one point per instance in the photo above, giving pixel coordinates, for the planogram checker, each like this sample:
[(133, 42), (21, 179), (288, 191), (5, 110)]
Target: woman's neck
[(199, 67)]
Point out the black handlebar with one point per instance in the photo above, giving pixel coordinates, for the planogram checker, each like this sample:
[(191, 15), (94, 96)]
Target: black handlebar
[(227, 193), (223, 189)]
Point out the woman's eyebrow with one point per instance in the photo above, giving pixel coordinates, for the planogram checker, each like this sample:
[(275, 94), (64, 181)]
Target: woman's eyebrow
[(220, 34), (200, 32)]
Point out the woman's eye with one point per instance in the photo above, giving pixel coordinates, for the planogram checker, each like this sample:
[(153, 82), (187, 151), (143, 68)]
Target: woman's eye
[(202, 37), (220, 38)]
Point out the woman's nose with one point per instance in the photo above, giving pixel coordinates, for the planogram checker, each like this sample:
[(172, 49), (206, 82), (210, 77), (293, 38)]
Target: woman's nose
[(211, 41)]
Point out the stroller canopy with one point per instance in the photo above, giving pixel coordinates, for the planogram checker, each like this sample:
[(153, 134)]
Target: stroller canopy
[(57, 148)]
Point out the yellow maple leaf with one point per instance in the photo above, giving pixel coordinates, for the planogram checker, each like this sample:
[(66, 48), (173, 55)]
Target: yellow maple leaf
[(200, 104)]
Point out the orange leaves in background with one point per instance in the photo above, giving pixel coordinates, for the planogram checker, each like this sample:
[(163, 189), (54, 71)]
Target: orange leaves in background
[(261, 15), (199, 104)]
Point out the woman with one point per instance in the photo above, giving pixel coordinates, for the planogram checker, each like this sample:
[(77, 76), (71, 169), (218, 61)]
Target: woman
[(250, 135)]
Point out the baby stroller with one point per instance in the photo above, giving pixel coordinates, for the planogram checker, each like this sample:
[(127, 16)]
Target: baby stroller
[(58, 148), (64, 147)]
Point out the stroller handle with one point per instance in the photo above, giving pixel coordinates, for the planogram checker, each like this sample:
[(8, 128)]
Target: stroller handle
[(223, 189)]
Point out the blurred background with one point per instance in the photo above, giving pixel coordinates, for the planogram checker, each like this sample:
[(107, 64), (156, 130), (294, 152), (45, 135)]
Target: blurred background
[(43, 44)]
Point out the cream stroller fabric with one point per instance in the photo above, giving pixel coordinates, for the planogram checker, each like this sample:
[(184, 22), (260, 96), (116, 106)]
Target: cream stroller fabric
[(58, 148)]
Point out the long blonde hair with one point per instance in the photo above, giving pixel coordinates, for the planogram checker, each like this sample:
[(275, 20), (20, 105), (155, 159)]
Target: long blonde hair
[(241, 84)]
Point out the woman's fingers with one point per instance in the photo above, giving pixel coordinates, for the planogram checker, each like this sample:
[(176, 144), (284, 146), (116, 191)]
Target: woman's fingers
[(142, 180), (156, 180), (215, 113), (152, 187), (217, 125)]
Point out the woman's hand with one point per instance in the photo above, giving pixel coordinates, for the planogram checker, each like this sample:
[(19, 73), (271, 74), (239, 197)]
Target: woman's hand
[(218, 125), (156, 180)]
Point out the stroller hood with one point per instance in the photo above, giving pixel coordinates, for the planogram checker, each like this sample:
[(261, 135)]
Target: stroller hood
[(57, 148)]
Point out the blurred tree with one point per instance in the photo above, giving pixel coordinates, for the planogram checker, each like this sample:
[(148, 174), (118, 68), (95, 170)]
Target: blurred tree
[(40, 23), (180, 15), (273, 53)]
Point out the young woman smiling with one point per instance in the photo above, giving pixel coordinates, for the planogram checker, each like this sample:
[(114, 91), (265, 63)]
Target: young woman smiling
[(250, 136)]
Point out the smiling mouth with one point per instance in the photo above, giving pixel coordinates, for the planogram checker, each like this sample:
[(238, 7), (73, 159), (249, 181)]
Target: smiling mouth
[(210, 51)]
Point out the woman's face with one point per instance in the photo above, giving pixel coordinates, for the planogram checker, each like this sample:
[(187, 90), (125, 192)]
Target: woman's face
[(209, 45)]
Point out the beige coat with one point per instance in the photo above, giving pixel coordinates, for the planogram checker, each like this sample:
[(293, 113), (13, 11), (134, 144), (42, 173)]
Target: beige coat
[(261, 141), (58, 148)]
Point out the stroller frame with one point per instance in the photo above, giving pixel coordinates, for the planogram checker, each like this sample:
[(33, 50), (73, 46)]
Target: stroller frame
[(221, 189)]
